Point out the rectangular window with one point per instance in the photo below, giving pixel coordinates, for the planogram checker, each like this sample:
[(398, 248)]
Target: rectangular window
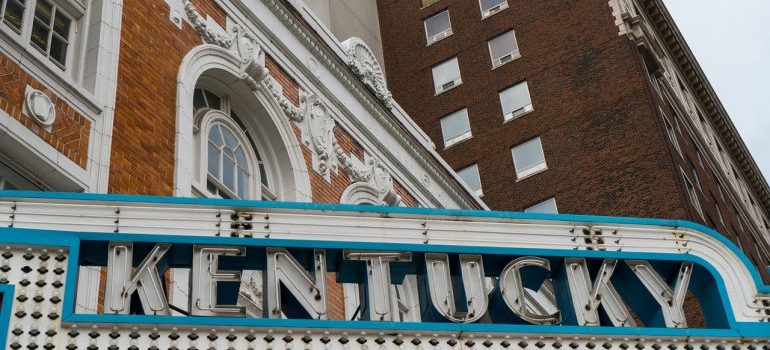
[(671, 133), (691, 192), (547, 206), (456, 127), (515, 101), (503, 49), (446, 75), (50, 32), (13, 13), (490, 7), (528, 158), (471, 177), (438, 27)]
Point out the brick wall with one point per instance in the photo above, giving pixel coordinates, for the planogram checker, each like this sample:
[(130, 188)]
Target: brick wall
[(70, 131), (142, 159), (604, 143)]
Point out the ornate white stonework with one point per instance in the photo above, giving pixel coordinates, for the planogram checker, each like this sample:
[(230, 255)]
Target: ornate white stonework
[(371, 171), (39, 107), (362, 61), (312, 116), (209, 34), (317, 127)]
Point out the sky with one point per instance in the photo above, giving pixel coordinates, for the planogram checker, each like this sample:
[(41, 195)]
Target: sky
[(731, 42)]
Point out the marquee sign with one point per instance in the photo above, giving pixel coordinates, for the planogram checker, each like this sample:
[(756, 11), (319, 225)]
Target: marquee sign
[(193, 274)]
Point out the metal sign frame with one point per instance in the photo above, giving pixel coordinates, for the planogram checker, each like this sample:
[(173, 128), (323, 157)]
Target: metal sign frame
[(72, 240)]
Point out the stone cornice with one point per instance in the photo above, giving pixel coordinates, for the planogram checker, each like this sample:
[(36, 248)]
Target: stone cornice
[(682, 55)]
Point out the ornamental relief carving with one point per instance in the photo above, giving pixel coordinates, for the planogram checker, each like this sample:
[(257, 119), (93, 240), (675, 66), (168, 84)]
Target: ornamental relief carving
[(39, 107), (312, 116), (362, 61), (317, 127)]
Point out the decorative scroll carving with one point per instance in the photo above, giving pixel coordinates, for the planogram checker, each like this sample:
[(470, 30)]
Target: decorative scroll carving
[(372, 171), (201, 26), (317, 127), (313, 117), (276, 91), (362, 61)]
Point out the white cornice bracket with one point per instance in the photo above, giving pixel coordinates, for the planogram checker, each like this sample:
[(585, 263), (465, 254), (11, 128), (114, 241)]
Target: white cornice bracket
[(363, 63)]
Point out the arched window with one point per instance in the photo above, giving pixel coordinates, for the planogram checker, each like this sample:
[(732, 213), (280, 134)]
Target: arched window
[(229, 159)]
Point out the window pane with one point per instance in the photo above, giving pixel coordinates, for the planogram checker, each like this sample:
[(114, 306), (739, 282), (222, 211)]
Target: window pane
[(515, 98), (243, 184), (213, 159), (58, 50), (502, 45), (14, 12), (215, 136), (548, 207), (43, 11), (213, 101), (39, 36), (61, 25), (437, 24), (488, 4), (528, 154), (229, 138), (471, 177), (446, 72), (428, 2), (198, 100), (228, 173), (240, 157), (455, 125)]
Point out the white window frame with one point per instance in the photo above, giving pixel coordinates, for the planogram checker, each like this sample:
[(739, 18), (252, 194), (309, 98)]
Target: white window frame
[(446, 86), (692, 193), (552, 199), (479, 191), (522, 174), (430, 40), (209, 119), (515, 114), (495, 9), (204, 118), (508, 57), (75, 39), (459, 138)]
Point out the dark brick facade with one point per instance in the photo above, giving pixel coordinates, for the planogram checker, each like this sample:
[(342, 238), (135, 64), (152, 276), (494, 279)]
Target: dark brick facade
[(595, 111)]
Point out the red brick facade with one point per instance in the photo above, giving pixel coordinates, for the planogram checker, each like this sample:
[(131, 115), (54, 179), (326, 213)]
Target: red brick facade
[(70, 131)]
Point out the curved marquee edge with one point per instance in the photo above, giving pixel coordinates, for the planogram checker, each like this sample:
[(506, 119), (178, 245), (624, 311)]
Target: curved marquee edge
[(702, 236)]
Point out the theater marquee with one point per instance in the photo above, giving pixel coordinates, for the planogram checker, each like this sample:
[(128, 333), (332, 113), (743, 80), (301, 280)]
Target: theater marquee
[(414, 278)]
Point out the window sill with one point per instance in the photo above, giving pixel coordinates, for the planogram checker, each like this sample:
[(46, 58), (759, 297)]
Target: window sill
[(537, 169), (491, 14), (439, 40), (518, 55), (451, 143), (450, 89), (507, 118)]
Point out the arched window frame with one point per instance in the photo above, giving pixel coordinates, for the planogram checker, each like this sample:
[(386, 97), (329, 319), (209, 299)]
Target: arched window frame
[(207, 119)]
